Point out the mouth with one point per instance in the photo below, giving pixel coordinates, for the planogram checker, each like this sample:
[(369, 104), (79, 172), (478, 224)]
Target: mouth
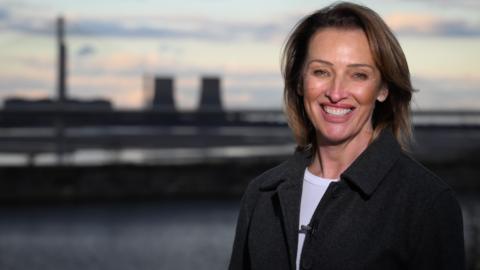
[(336, 111)]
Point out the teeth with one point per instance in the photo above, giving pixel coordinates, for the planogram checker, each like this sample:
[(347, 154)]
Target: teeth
[(336, 111)]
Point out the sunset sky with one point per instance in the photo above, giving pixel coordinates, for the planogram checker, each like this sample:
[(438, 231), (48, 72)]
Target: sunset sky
[(114, 46)]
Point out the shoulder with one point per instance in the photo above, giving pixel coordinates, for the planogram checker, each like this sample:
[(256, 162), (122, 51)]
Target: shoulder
[(418, 176), (434, 213), (420, 185)]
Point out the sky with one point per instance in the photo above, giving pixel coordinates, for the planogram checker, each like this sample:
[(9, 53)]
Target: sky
[(115, 48)]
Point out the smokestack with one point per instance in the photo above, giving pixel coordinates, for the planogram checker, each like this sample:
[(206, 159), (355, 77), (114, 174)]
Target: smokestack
[(62, 59), (210, 99), (163, 94)]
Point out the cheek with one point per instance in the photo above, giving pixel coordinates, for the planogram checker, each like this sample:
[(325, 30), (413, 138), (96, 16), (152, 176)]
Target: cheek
[(312, 87), (366, 95)]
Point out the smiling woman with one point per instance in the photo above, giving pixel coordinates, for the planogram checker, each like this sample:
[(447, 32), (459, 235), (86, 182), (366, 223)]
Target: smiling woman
[(340, 86), (350, 197)]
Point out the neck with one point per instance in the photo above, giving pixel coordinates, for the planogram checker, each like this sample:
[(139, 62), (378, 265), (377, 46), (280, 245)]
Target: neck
[(331, 160)]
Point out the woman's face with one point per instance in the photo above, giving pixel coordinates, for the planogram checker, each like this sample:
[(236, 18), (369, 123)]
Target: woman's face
[(340, 85)]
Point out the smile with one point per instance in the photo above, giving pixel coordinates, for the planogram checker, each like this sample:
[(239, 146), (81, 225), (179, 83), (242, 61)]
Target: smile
[(336, 111)]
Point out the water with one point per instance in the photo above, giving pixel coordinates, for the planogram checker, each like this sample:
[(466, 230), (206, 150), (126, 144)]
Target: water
[(121, 236), (168, 234)]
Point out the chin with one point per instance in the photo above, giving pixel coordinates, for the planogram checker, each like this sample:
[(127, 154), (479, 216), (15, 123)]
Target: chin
[(333, 138), (335, 135)]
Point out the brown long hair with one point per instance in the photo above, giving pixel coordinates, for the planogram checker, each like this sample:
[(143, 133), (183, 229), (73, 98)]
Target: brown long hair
[(392, 114)]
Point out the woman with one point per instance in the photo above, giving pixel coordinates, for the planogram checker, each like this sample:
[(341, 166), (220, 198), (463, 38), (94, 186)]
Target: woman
[(349, 198)]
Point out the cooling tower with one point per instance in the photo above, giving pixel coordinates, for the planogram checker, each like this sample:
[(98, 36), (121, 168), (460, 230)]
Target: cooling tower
[(163, 94), (210, 98)]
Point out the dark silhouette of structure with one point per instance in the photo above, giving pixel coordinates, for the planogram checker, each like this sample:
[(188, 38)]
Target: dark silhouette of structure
[(15, 104), (62, 102), (62, 60), (163, 94), (160, 95), (210, 98)]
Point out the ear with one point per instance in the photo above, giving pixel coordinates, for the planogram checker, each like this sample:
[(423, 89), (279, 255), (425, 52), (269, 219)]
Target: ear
[(382, 94)]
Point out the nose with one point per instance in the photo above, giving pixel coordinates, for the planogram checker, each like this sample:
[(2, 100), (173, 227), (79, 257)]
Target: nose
[(336, 90)]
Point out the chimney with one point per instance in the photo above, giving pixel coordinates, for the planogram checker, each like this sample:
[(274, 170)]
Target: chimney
[(62, 59)]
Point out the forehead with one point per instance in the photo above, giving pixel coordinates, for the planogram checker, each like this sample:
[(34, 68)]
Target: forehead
[(345, 45)]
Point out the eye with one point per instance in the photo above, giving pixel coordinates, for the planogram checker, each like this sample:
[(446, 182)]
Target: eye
[(320, 72), (360, 76)]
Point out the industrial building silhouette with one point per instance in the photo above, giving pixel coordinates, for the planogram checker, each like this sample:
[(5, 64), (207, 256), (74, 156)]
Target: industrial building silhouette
[(62, 100), (210, 98), (162, 98)]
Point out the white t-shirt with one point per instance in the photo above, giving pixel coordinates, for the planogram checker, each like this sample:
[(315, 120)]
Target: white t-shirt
[(314, 188)]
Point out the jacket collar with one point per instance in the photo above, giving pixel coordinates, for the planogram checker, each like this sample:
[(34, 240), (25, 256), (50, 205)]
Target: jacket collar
[(289, 173), (366, 172), (371, 167)]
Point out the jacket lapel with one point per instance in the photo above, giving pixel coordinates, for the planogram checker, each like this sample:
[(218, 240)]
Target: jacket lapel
[(289, 199), (289, 190)]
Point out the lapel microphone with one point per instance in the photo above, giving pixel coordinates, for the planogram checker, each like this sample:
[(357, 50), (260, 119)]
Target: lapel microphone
[(308, 229)]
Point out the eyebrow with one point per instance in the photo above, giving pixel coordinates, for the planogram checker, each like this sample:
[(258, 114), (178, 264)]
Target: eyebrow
[(331, 64)]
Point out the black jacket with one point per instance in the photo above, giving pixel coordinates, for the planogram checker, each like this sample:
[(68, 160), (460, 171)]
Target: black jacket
[(386, 212)]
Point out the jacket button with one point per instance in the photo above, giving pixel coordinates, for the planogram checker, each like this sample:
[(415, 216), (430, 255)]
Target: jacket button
[(306, 263)]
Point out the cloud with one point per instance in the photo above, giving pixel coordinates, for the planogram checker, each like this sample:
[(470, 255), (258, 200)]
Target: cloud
[(425, 24), (163, 28), (86, 50), (4, 14), (181, 27), (451, 3), (172, 50), (20, 84), (457, 28), (120, 63), (207, 29)]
